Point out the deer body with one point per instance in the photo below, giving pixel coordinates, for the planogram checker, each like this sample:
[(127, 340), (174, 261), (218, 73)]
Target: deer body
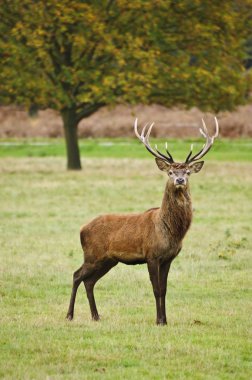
[(153, 237), (137, 238)]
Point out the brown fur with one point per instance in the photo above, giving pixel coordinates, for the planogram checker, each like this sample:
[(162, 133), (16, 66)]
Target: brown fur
[(155, 233), (153, 237)]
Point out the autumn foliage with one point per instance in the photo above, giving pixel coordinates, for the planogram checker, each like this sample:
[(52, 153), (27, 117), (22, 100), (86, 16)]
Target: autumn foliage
[(76, 56)]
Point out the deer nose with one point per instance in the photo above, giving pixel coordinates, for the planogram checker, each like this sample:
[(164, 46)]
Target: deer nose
[(180, 181)]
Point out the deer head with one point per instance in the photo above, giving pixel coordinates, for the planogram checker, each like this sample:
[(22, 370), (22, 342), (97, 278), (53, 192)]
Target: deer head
[(178, 172)]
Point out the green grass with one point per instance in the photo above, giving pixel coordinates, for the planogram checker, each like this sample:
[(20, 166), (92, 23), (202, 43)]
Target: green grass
[(224, 149), (209, 286)]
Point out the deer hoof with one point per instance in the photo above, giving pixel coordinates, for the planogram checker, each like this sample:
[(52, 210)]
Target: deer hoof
[(95, 317), (161, 323), (69, 317)]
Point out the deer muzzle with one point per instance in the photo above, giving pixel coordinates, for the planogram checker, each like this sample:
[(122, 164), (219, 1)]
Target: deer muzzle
[(180, 181)]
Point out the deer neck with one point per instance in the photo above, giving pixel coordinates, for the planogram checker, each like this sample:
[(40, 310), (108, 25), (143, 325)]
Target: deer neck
[(176, 210)]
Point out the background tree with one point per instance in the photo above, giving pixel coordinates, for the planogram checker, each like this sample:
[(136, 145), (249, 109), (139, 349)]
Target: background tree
[(205, 64), (77, 56)]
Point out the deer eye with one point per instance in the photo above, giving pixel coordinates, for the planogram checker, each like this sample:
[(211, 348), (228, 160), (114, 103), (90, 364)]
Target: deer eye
[(188, 172), (170, 172)]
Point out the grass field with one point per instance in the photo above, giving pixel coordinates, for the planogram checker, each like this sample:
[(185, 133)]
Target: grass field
[(209, 287), (225, 150)]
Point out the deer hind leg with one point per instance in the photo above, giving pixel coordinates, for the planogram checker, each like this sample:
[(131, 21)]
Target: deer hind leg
[(158, 272), (101, 269), (84, 271)]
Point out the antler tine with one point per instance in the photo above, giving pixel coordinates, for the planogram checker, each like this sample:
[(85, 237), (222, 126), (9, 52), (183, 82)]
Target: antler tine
[(148, 132), (216, 127), (189, 155), (144, 138), (169, 159), (167, 151), (205, 132), (208, 144), (135, 129)]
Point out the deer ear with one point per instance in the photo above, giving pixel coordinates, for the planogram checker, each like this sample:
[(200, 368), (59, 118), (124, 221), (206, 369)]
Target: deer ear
[(196, 167), (162, 164)]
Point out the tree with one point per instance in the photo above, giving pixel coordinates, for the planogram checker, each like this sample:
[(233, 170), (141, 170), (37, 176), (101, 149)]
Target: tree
[(205, 64), (77, 56)]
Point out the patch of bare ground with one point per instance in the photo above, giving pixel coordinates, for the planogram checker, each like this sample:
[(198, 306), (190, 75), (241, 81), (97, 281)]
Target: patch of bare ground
[(118, 121)]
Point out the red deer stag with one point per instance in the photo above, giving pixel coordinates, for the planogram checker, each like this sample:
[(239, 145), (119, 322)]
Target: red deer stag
[(153, 237)]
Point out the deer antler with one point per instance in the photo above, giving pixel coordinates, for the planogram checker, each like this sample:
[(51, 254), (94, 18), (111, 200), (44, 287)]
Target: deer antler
[(144, 138), (208, 144)]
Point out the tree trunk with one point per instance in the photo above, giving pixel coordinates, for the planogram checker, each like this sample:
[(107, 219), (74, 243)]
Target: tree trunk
[(71, 137)]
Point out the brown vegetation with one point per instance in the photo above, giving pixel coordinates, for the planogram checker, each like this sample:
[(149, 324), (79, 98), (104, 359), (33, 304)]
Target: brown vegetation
[(118, 121)]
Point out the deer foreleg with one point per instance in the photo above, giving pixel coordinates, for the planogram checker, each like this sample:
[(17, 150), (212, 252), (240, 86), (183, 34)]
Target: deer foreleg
[(158, 275), (89, 285)]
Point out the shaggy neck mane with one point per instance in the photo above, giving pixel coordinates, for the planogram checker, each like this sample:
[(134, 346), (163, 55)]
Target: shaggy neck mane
[(176, 210)]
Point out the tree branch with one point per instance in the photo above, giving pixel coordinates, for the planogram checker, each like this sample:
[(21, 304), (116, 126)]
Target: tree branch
[(88, 110)]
